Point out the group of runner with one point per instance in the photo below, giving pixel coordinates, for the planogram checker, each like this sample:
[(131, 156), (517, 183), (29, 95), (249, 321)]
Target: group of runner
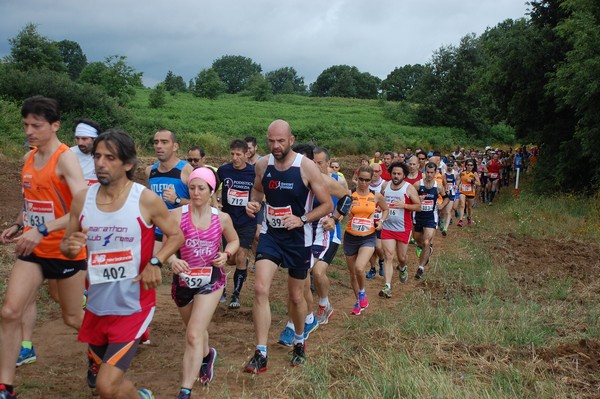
[(287, 205)]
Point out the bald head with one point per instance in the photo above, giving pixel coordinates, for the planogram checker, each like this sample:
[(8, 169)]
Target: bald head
[(280, 139), (280, 126)]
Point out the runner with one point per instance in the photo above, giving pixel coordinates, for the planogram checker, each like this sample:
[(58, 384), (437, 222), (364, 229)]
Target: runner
[(237, 179), (288, 181), (360, 238), (402, 200), (198, 275), (450, 181), (493, 170), (469, 180), (50, 176), (377, 257), (85, 132), (252, 155), (116, 220), (426, 221)]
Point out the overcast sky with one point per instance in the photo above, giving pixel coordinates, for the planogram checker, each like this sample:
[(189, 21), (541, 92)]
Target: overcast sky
[(185, 36)]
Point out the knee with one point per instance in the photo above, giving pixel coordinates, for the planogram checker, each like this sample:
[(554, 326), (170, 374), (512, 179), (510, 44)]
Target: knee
[(402, 259), (105, 388), (296, 298), (10, 312), (193, 337), (261, 290), (73, 320)]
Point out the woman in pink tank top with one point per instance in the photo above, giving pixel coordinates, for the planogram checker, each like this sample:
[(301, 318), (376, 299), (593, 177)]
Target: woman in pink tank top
[(198, 275)]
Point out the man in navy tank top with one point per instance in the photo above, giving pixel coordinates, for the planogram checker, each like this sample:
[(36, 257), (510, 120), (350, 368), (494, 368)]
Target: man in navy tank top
[(288, 182)]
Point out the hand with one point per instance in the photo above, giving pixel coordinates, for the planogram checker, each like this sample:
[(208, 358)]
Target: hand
[(291, 222), (150, 277), (252, 208), (220, 260), (10, 234), (169, 195), (398, 204), (27, 242), (328, 224), (73, 243), (378, 225), (180, 266)]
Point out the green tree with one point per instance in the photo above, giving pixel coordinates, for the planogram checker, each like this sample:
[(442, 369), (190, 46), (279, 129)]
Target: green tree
[(345, 81), (157, 98), (30, 50), (114, 75), (235, 71), (399, 84), (208, 84), (73, 57), (259, 88), (174, 83), (286, 81)]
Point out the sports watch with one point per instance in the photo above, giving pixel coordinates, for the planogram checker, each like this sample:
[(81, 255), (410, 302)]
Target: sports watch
[(42, 229), (154, 261), (177, 201), (304, 219)]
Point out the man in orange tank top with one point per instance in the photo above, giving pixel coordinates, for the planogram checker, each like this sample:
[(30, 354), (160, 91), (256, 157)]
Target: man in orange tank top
[(51, 175)]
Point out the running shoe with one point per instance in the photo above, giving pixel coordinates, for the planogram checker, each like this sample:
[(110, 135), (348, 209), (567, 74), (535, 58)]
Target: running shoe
[(184, 395), (324, 313), (381, 267), (257, 364), (386, 292), (404, 275), (469, 221), (4, 394), (363, 301), (298, 357), (309, 328), (430, 252), (26, 356), (371, 273), (145, 393), (420, 272), (356, 310), (419, 250), (286, 337), (412, 241), (223, 297), (207, 369), (460, 223), (235, 303), (92, 373)]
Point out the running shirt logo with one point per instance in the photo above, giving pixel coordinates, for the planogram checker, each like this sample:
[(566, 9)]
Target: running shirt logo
[(279, 185)]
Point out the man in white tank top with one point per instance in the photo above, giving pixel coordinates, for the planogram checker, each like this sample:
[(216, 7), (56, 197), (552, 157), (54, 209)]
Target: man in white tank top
[(115, 219)]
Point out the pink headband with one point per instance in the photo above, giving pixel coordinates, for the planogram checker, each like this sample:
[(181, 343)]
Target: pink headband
[(205, 174)]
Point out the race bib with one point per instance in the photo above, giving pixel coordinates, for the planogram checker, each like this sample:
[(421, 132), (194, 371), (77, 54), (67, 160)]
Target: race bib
[(275, 215), (111, 266), (465, 187), (361, 225), (196, 278), (91, 182), (377, 216), (395, 212), (237, 197), (450, 186), (493, 175), (427, 205), (38, 212)]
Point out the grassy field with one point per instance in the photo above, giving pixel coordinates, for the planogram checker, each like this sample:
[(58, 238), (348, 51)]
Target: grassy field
[(347, 126)]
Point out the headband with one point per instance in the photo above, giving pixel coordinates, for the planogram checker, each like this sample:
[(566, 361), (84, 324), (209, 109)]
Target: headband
[(205, 174), (85, 130)]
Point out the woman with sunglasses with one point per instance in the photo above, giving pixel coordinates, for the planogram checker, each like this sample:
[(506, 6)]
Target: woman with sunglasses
[(469, 181), (360, 238)]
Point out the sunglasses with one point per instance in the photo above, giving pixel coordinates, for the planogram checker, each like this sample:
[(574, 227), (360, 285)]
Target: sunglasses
[(422, 159), (193, 159), (364, 180)]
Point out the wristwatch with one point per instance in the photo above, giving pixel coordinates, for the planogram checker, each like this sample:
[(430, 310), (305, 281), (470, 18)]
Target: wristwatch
[(42, 229), (177, 201), (304, 219), (154, 261)]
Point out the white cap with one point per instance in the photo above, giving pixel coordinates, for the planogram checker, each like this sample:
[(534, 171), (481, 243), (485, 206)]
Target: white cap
[(85, 130)]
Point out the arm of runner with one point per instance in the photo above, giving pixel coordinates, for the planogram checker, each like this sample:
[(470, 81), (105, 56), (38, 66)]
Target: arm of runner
[(413, 195), (257, 194), (385, 210), (231, 236), (74, 238), (155, 212), (11, 232), (177, 265)]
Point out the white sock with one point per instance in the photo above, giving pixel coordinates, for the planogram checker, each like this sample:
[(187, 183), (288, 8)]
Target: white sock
[(290, 325), (309, 318), (323, 301)]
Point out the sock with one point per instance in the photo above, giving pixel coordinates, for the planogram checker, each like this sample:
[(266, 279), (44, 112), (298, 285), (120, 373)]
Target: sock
[(402, 268), (421, 267), (298, 339), (262, 349), (290, 325), (310, 318), (388, 285), (324, 301), (27, 344), (206, 358), (9, 388), (361, 295), (186, 391), (238, 279)]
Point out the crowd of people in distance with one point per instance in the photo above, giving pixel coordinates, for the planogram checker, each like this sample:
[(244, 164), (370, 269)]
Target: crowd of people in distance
[(99, 237)]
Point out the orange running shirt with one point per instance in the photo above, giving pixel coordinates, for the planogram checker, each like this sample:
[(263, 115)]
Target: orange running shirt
[(47, 198), (467, 183), (361, 214)]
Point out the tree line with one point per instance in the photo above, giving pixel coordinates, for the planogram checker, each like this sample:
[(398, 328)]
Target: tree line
[(536, 79)]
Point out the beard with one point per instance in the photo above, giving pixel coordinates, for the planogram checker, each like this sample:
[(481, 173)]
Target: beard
[(282, 155)]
